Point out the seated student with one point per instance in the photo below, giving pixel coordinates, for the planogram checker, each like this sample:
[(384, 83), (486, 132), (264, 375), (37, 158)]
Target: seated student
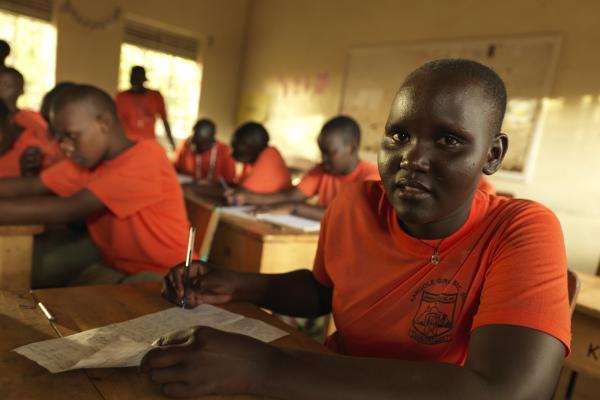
[(128, 191), (438, 290), (30, 122), (264, 170), (203, 157), (339, 142)]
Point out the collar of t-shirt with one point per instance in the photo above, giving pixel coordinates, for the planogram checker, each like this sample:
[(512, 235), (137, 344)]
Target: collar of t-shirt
[(425, 248)]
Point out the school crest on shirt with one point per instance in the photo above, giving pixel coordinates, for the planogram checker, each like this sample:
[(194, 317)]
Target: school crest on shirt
[(434, 318)]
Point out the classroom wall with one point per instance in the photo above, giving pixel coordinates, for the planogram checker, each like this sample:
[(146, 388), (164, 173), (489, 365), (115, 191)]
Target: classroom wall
[(295, 57), (92, 56)]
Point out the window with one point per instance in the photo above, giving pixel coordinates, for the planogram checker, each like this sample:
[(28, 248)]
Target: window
[(33, 53), (177, 78)]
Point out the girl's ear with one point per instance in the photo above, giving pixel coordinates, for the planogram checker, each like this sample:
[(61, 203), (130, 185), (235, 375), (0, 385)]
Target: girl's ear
[(496, 154)]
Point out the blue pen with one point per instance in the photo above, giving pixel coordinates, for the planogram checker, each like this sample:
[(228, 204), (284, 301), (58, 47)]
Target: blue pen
[(188, 262)]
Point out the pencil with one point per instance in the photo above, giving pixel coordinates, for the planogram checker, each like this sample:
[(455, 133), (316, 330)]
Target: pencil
[(188, 262)]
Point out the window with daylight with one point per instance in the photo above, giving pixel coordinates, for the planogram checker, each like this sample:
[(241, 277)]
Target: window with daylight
[(171, 68), (33, 53)]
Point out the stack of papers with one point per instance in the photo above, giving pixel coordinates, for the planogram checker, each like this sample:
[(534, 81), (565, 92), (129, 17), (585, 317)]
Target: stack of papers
[(124, 344), (287, 221)]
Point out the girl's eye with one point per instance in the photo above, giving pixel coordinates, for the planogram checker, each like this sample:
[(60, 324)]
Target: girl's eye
[(400, 137), (451, 141)]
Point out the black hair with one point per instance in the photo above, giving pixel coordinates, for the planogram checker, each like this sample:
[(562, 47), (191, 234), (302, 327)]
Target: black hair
[(486, 77), (4, 49), (205, 122), (14, 72), (253, 134), (97, 98), (51, 96), (345, 126)]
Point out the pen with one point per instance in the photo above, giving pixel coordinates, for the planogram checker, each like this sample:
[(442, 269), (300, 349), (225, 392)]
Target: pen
[(226, 188), (188, 262), (45, 311)]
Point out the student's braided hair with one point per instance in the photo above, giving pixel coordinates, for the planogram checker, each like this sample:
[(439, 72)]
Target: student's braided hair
[(484, 76)]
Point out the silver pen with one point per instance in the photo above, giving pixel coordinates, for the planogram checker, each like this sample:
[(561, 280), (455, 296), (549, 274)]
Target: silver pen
[(188, 262), (45, 311)]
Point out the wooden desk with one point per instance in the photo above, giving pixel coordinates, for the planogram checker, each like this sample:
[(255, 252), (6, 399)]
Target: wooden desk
[(16, 252), (585, 345), (80, 308), (21, 323), (254, 246)]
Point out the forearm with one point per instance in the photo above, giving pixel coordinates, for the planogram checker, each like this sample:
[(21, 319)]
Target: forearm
[(295, 293), (40, 210), (303, 375), (168, 131), (22, 186), (309, 211)]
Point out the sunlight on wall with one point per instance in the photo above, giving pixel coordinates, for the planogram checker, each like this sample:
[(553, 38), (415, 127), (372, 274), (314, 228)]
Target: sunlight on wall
[(178, 80), (33, 53)]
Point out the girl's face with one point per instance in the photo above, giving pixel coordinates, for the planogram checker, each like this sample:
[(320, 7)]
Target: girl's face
[(438, 139)]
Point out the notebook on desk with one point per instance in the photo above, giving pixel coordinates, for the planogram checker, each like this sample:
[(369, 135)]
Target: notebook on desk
[(287, 221), (291, 221)]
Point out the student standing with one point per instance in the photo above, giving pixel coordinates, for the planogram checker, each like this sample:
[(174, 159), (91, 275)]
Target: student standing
[(139, 106)]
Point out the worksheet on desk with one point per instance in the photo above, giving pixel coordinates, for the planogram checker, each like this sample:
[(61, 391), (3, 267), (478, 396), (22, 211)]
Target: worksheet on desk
[(124, 344)]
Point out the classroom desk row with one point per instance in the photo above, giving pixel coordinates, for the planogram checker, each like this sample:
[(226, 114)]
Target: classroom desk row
[(81, 308), (244, 244)]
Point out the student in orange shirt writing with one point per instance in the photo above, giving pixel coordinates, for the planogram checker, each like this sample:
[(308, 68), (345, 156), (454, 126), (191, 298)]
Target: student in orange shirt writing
[(203, 157), (339, 143), (127, 191), (37, 150), (138, 107), (264, 170), (438, 290)]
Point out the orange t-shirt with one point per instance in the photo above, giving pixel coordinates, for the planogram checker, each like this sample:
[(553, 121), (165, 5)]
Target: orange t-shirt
[(326, 185), (506, 265), (486, 186), (33, 121), (144, 226), (10, 162), (137, 112), (268, 174), (212, 164)]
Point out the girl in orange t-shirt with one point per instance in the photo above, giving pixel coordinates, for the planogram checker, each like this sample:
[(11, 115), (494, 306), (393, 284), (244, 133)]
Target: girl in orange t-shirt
[(438, 290)]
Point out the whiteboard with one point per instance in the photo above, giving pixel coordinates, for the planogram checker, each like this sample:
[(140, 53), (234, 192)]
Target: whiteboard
[(526, 64)]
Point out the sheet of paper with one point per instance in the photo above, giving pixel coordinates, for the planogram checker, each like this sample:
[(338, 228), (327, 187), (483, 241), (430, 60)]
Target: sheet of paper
[(124, 344), (291, 221), (239, 211)]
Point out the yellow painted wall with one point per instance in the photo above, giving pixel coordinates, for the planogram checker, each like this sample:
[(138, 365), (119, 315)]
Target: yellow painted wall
[(295, 57), (92, 56)]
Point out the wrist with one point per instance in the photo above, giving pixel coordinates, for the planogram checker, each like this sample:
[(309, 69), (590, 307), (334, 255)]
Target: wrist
[(250, 287)]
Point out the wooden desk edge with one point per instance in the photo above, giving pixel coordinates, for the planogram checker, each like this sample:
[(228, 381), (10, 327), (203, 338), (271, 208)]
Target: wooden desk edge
[(20, 230)]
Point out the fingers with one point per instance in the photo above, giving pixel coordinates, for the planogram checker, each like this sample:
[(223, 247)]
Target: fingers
[(174, 282), (177, 338), (163, 357)]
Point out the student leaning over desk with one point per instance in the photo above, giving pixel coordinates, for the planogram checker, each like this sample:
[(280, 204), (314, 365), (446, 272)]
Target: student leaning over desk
[(438, 290)]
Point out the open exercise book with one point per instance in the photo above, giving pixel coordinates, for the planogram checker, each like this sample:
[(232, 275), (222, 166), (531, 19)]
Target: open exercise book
[(288, 221), (124, 344)]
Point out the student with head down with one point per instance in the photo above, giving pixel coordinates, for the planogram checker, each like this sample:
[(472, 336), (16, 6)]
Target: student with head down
[(438, 290), (127, 191)]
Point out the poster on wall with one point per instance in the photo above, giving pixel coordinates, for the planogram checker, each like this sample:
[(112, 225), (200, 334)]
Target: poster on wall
[(527, 65)]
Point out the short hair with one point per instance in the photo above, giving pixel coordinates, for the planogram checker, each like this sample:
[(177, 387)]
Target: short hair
[(4, 49), (13, 72), (484, 76), (205, 122), (253, 134), (95, 97), (345, 126), (49, 97)]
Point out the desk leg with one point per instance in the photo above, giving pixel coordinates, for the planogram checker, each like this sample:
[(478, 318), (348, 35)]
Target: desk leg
[(16, 253)]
